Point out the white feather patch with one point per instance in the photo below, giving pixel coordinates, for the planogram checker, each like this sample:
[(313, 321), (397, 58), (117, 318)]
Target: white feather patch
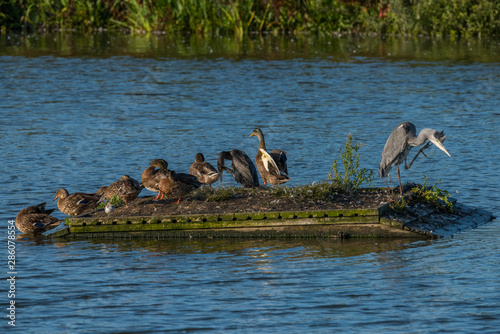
[(268, 160)]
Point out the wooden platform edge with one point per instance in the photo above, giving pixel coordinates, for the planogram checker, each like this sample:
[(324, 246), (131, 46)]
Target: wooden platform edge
[(354, 223)]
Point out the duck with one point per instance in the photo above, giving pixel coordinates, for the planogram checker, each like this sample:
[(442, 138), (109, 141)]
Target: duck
[(279, 157), (242, 168), (203, 171), (267, 165), (151, 175), (36, 220), (76, 203), (178, 184), (127, 189)]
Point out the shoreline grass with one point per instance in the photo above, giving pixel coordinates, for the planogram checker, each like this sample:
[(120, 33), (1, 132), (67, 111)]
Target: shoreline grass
[(405, 17)]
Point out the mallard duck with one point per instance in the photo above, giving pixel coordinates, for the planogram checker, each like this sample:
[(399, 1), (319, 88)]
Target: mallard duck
[(267, 166), (151, 176), (178, 184), (279, 157), (35, 219), (76, 203), (127, 189), (242, 168), (203, 171)]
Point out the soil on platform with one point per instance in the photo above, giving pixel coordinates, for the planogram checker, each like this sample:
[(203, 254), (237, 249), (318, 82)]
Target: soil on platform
[(260, 200)]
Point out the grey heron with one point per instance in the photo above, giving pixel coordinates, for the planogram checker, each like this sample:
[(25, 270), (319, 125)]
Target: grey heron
[(401, 141)]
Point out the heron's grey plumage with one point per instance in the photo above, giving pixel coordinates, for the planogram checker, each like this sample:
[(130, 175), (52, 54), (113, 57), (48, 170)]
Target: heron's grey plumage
[(401, 141)]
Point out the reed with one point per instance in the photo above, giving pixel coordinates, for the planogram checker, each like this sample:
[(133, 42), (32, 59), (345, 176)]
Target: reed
[(408, 17)]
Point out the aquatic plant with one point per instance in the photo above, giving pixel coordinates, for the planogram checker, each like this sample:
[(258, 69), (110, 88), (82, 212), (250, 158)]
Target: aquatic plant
[(432, 195), (409, 17), (353, 176)]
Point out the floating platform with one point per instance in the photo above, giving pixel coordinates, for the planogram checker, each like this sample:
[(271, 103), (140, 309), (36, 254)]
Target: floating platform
[(420, 221)]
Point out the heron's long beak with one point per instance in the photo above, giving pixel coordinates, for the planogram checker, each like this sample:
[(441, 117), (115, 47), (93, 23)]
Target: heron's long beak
[(437, 142)]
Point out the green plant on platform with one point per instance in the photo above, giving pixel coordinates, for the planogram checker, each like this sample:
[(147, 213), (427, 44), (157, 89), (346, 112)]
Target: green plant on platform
[(353, 176), (399, 204), (115, 200), (433, 195)]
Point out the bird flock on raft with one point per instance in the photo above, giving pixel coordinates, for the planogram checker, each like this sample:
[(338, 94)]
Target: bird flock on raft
[(272, 168)]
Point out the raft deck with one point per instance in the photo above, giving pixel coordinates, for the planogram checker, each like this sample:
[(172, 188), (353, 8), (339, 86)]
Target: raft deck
[(380, 222)]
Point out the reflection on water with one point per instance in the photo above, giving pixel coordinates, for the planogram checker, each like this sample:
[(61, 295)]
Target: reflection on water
[(81, 111), (268, 47), (317, 247), (265, 285)]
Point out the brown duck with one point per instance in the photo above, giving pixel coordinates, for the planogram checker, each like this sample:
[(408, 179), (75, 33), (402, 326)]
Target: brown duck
[(127, 189), (36, 220), (203, 171), (266, 163), (151, 175), (178, 185), (76, 203), (279, 157)]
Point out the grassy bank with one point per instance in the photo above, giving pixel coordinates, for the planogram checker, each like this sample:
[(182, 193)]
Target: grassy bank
[(409, 17)]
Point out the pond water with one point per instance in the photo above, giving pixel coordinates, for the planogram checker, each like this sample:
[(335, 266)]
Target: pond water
[(81, 111)]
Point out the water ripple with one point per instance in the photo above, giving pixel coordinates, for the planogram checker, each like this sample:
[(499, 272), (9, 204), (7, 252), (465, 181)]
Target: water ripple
[(70, 121)]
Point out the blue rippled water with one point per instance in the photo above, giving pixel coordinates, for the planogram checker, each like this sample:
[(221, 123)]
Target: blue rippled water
[(80, 116)]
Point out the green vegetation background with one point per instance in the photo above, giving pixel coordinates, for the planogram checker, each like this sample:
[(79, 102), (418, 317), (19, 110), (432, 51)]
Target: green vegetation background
[(407, 17)]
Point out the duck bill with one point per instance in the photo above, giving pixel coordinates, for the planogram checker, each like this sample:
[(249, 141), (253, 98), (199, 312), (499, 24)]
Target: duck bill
[(253, 134), (55, 198), (437, 142)]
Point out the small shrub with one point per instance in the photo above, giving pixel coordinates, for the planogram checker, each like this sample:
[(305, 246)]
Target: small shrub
[(353, 177)]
